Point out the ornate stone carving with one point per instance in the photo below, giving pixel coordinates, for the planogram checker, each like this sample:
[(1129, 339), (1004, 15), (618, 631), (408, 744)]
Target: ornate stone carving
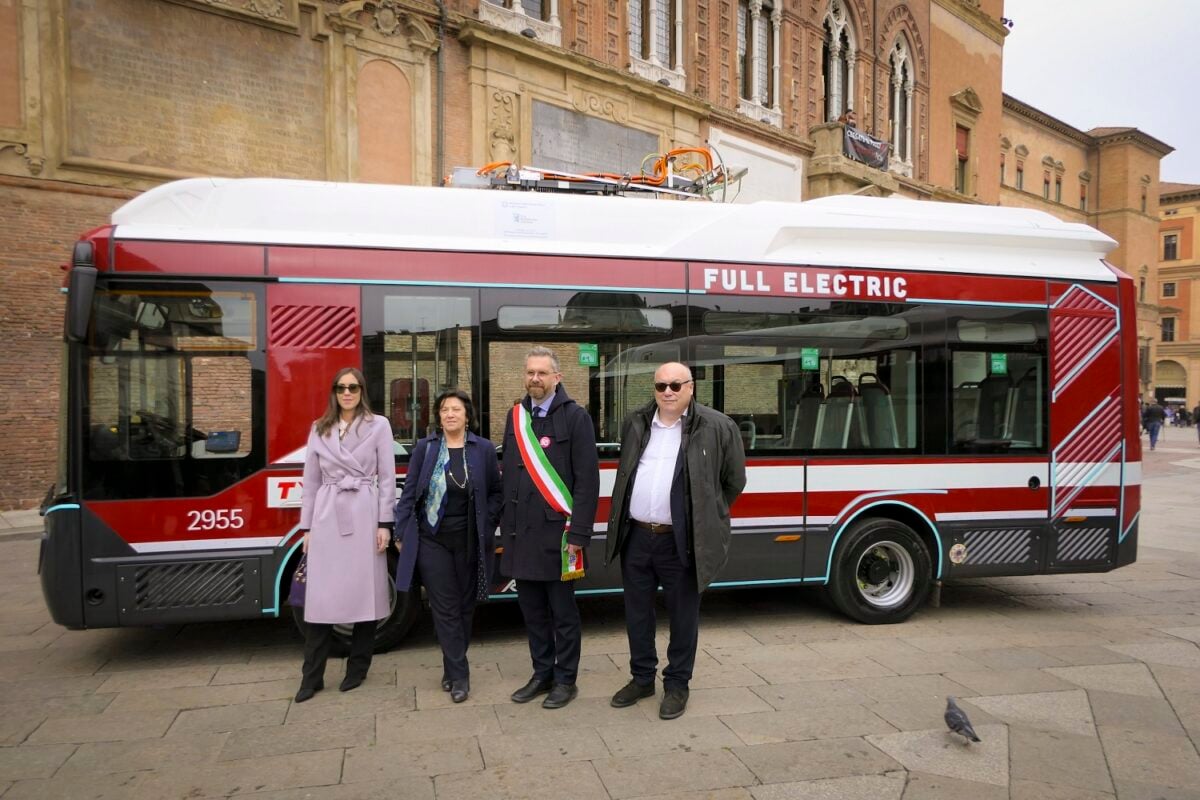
[(389, 18), (273, 10), (967, 101), (597, 106), (515, 20), (35, 163), (502, 126)]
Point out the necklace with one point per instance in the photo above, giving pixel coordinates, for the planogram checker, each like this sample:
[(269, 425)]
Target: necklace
[(466, 475)]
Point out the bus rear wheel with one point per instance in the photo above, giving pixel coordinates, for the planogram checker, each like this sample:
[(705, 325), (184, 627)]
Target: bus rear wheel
[(881, 573), (403, 610)]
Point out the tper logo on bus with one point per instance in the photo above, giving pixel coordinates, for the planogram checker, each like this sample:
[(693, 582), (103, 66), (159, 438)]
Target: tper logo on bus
[(284, 492)]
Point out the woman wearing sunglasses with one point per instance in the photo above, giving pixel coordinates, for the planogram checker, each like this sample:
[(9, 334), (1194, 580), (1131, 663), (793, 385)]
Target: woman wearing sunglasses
[(445, 526), (349, 491)]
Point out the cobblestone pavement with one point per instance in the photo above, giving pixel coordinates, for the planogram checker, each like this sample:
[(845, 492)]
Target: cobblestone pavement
[(1081, 686)]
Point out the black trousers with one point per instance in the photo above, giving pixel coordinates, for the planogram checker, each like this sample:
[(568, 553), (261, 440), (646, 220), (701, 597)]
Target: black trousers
[(449, 579), (552, 622), (649, 560), (318, 641)]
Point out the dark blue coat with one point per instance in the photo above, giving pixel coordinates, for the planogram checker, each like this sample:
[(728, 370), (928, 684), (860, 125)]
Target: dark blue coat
[(531, 530), (485, 485)]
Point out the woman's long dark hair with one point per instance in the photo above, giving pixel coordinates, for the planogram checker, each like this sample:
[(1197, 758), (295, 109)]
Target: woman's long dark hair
[(333, 412), (463, 398)]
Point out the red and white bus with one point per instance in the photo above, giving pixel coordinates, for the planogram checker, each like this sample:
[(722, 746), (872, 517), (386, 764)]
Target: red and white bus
[(925, 391)]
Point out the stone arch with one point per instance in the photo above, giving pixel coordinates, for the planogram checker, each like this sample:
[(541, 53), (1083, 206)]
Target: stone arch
[(1169, 373), (384, 99), (900, 21)]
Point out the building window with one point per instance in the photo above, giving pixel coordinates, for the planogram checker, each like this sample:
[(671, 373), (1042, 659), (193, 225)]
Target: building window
[(517, 16), (1168, 329), (1143, 199), (656, 41), (900, 103), (1058, 188), (962, 146), (758, 60), (1168, 289), (1002, 169), (838, 56), (1171, 247), (1020, 176), (1083, 197), (1045, 185), (1141, 290)]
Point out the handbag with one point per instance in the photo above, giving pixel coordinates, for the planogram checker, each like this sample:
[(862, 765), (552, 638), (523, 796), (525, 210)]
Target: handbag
[(299, 583)]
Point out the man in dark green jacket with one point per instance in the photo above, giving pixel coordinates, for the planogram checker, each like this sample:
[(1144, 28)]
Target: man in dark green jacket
[(682, 466)]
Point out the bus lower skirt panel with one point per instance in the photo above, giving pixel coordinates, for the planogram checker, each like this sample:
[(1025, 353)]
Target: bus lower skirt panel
[(183, 591)]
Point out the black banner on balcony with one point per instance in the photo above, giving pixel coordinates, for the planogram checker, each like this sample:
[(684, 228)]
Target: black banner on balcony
[(867, 149)]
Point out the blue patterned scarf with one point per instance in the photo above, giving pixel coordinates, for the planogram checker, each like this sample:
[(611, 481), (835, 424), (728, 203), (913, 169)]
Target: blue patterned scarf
[(436, 494)]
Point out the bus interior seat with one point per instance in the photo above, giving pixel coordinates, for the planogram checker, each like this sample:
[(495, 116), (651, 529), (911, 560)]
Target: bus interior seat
[(805, 416), (1025, 414), (837, 414), (992, 408), (877, 411), (749, 433)]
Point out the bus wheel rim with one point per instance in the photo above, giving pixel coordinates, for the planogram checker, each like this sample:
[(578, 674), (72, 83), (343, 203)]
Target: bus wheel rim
[(884, 575)]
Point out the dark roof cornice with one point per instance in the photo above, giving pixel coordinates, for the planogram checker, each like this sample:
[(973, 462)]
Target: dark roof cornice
[(1046, 121)]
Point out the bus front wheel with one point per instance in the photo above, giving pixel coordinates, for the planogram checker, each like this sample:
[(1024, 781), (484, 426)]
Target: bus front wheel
[(403, 610), (881, 573)]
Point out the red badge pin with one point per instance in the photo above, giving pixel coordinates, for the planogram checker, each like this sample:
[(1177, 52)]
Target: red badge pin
[(544, 442)]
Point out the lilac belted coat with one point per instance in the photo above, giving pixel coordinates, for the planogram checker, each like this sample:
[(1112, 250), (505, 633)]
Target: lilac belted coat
[(349, 487)]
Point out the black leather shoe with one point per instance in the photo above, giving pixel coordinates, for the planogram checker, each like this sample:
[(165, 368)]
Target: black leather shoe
[(460, 690), (306, 692), (351, 682), (674, 703), (445, 684), (631, 692), (560, 695), (531, 690)]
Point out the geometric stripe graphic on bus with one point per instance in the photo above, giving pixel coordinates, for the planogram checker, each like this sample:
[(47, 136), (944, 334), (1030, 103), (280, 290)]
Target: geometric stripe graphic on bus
[(1082, 545), (1086, 453), (314, 326), (1081, 324), (1001, 546)]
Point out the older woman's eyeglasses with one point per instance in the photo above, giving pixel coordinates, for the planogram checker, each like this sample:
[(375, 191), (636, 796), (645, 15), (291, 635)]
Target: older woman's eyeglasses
[(342, 388)]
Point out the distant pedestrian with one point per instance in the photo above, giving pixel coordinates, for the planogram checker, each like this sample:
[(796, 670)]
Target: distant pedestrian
[(346, 517), (1153, 417), (682, 466)]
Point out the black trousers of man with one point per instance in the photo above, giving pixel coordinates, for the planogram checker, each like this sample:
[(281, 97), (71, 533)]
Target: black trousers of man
[(448, 574), (554, 628), (649, 560), (318, 641)]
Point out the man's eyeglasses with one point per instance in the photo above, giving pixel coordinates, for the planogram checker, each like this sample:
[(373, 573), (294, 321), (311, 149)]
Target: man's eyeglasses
[(675, 386), (342, 388)]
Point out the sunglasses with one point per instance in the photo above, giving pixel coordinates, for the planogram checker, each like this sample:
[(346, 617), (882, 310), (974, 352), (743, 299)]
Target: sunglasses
[(342, 388), (675, 386)]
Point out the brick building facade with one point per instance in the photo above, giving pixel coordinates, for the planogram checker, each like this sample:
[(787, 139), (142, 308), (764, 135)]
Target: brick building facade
[(101, 99), (1176, 294)]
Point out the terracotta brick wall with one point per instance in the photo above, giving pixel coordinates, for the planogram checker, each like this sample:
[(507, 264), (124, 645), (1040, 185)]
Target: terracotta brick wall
[(37, 231)]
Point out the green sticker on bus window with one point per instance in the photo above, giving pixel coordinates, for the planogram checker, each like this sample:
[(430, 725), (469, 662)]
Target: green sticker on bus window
[(999, 363), (589, 355), (810, 358)]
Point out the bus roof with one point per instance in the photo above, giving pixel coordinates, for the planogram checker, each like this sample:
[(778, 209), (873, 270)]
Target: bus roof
[(838, 231)]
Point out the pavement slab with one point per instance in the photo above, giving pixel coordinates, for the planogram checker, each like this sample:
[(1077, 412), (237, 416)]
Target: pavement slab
[(114, 727), (855, 787), (114, 786), (926, 713), (1009, 681), (522, 782), (411, 788), (814, 694), (400, 761), (1069, 712), (249, 776), (437, 723), (32, 761), (1175, 654), (1123, 678), (1065, 759), (1134, 712), (228, 718), (687, 734), (363, 701), (1151, 758), (573, 744), (927, 786), (673, 772), (943, 753), (301, 737), (811, 760), (1035, 790), (828, 722)]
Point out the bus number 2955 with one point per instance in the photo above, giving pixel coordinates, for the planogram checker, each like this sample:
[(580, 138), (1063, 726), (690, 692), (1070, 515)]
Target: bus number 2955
[(215, 519)]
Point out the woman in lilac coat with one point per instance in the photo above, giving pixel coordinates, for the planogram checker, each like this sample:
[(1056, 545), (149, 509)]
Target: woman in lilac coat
[(349, 491)]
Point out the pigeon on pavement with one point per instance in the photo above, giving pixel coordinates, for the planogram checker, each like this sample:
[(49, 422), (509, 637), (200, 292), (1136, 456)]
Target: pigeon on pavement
[(957, 722)]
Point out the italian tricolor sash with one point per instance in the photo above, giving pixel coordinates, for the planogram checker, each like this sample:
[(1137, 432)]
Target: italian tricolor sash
[(548, 484)]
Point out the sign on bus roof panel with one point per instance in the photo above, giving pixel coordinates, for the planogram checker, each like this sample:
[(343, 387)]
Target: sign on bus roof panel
[(843, 231)]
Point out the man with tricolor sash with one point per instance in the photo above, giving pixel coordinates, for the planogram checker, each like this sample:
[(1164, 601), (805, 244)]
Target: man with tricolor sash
[(551, 488)]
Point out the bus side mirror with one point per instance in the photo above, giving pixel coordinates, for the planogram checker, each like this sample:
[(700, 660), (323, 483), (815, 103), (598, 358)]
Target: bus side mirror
[(81, 289)]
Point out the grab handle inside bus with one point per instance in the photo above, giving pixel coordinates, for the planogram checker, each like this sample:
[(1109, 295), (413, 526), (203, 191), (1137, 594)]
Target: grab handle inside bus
[(81, 288)]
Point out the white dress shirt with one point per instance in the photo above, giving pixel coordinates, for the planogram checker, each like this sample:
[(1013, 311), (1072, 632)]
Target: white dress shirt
[(650, 500)]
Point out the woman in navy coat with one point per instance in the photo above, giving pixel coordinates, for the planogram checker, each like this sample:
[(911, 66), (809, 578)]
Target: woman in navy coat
[(446, 521)]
